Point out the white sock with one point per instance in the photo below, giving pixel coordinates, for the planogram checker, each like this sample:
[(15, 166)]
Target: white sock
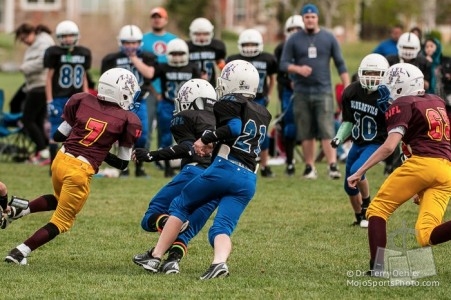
[(24, 249)]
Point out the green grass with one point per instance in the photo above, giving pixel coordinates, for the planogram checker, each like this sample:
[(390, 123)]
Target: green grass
[(293, 242)]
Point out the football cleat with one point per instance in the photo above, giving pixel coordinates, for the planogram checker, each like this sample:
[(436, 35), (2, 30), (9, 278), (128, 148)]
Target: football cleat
[(170, 267), (310, 172), (14, 214), (16, 257), (216, 271), (290, 170), (143, 258), (333, 172), (266, 172)]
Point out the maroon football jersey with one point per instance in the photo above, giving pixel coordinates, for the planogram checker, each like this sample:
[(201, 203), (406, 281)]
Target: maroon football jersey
[(427, 124), (96, 126)]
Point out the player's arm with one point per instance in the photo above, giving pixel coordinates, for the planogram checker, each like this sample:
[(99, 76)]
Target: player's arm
[(182, 150), (48, 85), (271, 83), (62, 132), (146, 70), (342, 134), (121, 160), (387, 148), (85, 83)]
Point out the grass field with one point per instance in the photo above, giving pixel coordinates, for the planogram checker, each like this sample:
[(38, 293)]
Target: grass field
[(293, 241)]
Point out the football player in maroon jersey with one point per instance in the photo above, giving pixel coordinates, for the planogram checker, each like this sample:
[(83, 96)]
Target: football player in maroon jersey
[(89, 129), (419, 120)]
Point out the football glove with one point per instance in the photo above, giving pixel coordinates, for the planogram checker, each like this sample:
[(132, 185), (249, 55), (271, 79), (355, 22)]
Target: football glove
[(335, 142), (142, 154)]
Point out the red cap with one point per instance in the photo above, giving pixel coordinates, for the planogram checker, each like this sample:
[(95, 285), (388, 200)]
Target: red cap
[(159, 11)]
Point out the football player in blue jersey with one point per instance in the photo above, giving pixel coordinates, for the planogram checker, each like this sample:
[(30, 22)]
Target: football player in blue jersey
[(241, 126), (250, 45), (193, 116), (205, 50), (364, 124), (141, 64), (67, 63)]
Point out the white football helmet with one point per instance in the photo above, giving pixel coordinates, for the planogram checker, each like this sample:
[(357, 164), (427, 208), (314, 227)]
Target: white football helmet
[(65, 28), (119, 86), (293, 22), (130, 33), (238, 77), (201, 25), (371, 70), (253, 37), (177, 53), (402, 79), (408, 46), (195, 94)]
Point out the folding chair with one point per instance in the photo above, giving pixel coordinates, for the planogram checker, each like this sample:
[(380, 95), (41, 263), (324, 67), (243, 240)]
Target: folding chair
[(15, 145)]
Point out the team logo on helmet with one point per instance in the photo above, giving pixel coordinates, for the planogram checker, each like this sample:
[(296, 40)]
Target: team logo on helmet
[(243, 85), (227, 71), (185, 92)]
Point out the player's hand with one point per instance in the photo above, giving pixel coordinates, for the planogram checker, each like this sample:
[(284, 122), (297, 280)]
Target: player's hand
[(335, 143), (141, 154), (353, 180), (201, 149), (51, 109)]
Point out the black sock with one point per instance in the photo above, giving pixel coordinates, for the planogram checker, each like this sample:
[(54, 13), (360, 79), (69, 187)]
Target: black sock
[(365, 204)]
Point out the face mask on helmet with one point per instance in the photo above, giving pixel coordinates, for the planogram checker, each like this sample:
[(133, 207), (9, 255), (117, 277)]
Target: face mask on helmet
[(371, 71), (130, 39), (408, 46), (197, 94), (250, 43), (400, 80), (293, 24), (119, 86), (177, 53), (67, 34), (238, 77), (201, 32)]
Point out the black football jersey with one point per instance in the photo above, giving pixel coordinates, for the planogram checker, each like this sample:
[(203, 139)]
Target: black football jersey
[(172, 78), (189, 125), (360, 108), (206, 57), (266, 65), (70, 68), (121, 60), (255, 120)]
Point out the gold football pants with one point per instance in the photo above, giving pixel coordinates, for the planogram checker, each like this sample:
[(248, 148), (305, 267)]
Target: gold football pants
[(71, 178), (428, 177)]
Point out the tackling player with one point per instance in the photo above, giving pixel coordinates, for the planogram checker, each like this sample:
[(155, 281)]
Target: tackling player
[(67, 63), (204, 50), (419, 120), (172, 75), (193, 116), (241, 125), (141, 64), (364, 124), (250, 44), (90, 127)]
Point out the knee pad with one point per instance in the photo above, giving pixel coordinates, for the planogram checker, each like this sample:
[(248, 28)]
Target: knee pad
[(289, 131), (350, 191), (51, 201)]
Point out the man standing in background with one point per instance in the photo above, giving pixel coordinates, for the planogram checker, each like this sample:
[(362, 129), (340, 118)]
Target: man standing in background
[(307, 54)]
